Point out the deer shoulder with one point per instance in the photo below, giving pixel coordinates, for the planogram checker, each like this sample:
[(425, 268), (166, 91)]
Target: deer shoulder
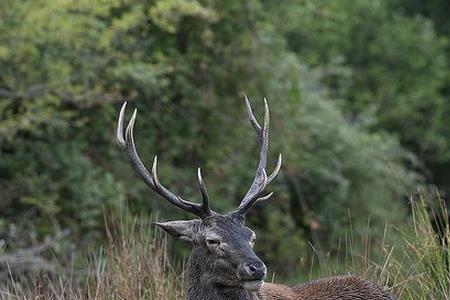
[(339, 287), (272, 291)]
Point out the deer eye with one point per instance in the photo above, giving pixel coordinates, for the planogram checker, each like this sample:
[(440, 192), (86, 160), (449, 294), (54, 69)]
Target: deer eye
[(212, 242)]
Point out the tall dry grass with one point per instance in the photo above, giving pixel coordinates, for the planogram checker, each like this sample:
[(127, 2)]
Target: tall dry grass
[(422, 269), (135, 265), (416, 267)]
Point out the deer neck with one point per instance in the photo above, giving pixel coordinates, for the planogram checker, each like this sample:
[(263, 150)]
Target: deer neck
[(199, 286)]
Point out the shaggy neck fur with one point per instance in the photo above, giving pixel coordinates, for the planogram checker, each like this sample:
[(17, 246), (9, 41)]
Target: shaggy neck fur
[(199, 285)]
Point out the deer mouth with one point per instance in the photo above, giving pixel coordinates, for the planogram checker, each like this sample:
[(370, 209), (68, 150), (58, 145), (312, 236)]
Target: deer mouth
[(253, 285)]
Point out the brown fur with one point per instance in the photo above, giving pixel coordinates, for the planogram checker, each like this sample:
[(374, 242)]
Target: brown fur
[(272, 291), (333, 288)]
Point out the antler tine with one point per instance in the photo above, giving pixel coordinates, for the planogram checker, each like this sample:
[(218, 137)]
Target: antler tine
[(119, 136), (202, 186), (127, 144), (251, 116), (261, 179), (276, 170), (264, 198)]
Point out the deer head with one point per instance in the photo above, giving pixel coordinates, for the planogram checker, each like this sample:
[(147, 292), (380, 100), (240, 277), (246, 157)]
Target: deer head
[(222, 252)]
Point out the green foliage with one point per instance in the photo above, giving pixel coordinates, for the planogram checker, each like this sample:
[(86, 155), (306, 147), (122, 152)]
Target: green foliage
[(396, 66), (340, 170)]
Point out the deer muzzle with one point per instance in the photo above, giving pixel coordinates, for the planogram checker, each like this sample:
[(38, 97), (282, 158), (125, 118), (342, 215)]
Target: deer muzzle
[(252, 271)]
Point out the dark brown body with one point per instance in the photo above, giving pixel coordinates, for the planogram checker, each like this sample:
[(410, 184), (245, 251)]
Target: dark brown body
[(333, 288)]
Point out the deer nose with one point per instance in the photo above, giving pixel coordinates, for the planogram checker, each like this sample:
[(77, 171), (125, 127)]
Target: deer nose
[(253, 271)]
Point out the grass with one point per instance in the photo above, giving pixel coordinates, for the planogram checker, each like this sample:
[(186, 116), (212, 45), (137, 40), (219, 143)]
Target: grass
[(416, 267), (422, 269), (135, 265)]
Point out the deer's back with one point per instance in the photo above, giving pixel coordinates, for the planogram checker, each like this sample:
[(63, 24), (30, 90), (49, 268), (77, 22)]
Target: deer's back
[(341, 287)]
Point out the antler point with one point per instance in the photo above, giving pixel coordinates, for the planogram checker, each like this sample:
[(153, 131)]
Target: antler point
[(120, 134)]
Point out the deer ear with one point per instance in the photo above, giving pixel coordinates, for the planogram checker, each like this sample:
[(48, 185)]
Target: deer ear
[(182, 230)]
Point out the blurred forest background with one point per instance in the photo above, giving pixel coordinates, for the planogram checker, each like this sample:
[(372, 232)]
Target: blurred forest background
[(359, 94)]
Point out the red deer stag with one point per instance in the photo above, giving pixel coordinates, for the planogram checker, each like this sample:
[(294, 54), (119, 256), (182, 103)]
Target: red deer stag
[(222, 264)]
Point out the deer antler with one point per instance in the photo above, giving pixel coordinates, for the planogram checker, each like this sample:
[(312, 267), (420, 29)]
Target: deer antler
[(125, 140), (261, 179)]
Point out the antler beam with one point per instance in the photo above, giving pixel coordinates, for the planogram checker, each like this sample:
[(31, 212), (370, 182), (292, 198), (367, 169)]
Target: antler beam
[(125, 139), (261, 180)]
